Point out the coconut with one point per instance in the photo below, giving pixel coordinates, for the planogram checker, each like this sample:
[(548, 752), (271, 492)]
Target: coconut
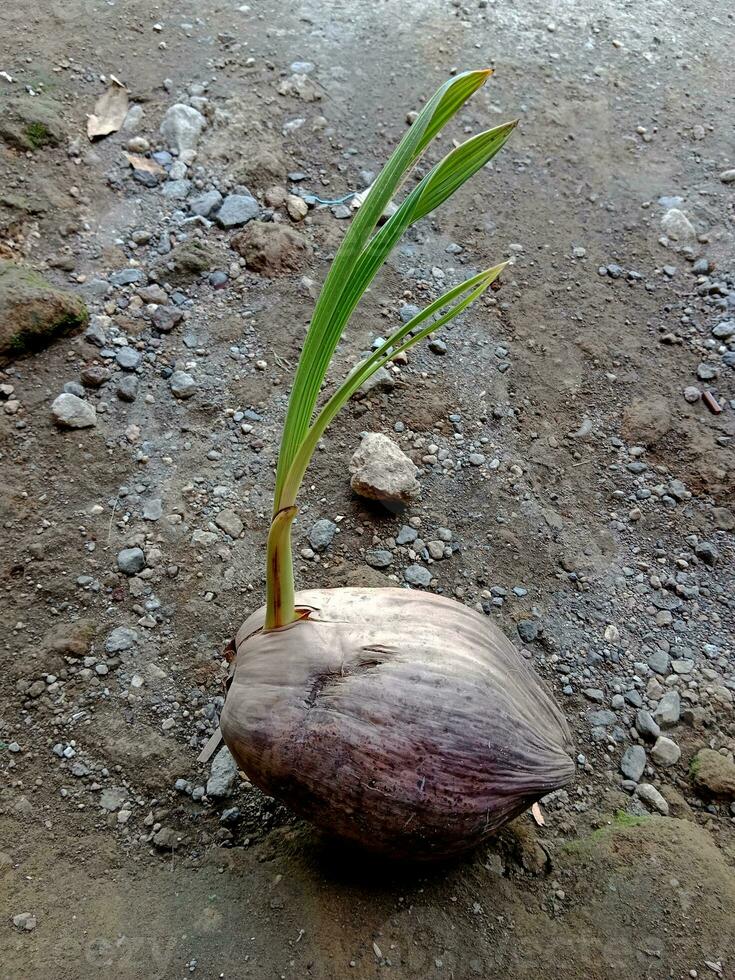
[(399, 720)]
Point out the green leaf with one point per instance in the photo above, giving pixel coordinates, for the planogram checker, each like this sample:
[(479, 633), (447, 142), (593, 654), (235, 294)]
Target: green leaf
[(326, 327), (457, 167), (401, 340)]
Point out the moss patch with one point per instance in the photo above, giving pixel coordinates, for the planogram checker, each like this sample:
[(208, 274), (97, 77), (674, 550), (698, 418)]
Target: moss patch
[(33, 312)]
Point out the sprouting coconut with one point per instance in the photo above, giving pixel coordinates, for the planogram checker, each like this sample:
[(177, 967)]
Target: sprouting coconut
[(396, 719)]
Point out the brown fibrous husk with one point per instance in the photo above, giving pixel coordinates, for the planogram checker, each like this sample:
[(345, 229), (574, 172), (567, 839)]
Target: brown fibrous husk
[(399, 720)]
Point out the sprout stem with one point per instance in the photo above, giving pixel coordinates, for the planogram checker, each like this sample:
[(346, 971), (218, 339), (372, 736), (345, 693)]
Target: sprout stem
[(280, 608)]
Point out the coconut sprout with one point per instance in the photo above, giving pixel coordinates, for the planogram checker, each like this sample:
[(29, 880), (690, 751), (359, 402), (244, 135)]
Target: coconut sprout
[(400, 720)]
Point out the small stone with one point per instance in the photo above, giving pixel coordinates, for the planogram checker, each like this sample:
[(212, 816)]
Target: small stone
[(603, 718), (406, 535), (182, 385), (94, 376), (633, 762), (477, 459), (724, 330), (130, 561), (692, 394), (95, 332), (438, 347), (138, 144), (668, 710), (182, 127), (128, 359), (237, 209), (528, 630), (72, 412), (665, 751), (322, 534), (675, 224), (382, 471), (595, 694), (176, 190), (714, 774), (646, 726), (121, 638), (659, 661), (153, 294), (435, 549), (112, 798), (728, 176), (167, 839), (378, 557), (651, 796), (127, 388), (165, 318), (153, 509), (706, 552), (417, 575), (25, 921), (296, 207), (205, 204), (706, 372), (223, 774), (229, 522), (126, 277)]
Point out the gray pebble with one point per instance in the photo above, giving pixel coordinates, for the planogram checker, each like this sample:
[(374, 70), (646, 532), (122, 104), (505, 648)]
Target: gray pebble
[(417, 575), (668, 710), (646, 726), (322, 534), (378, 557), (633, 762), (406, 535), (528, 630), (128, 358), (205, 204), (237, 209), (130, 561), (182, 385), (127, 388)]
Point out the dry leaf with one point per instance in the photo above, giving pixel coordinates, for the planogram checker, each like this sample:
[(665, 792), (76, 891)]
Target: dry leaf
[(109, 110), (138, 162), (538, 815)]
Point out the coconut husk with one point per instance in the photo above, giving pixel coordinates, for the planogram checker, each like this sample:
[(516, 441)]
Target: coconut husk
[(397, 719)]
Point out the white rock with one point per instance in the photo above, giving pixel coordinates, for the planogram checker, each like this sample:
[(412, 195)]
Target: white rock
[(223, 774), (675, 224), (25, 920), (665, 752), (382, 471), (181, 127), (297, 207), (650, 795), (71, 412)]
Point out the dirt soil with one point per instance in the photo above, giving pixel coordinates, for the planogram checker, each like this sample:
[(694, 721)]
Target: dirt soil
[(589, 502)]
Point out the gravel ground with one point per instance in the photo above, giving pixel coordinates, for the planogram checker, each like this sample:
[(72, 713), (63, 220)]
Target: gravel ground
[(569, 471)]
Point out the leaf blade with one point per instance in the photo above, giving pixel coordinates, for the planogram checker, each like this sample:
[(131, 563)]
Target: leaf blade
[(324, 332), (379, 358)]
